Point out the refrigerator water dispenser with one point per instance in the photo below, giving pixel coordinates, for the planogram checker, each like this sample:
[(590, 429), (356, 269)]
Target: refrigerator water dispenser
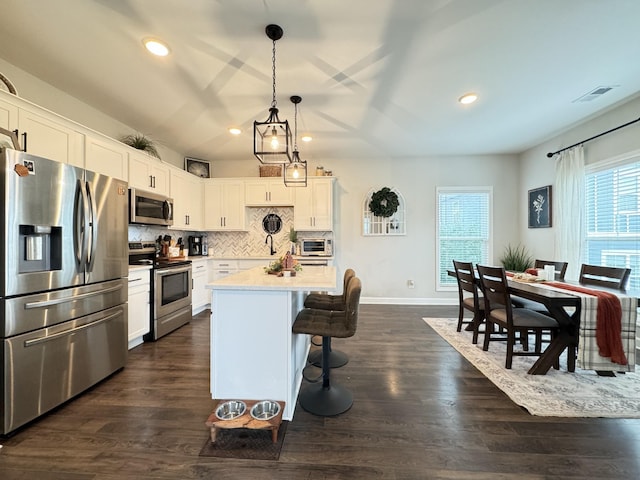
[(40, 248)]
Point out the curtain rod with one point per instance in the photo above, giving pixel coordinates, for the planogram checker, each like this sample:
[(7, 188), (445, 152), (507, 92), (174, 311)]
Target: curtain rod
[(550, 154)]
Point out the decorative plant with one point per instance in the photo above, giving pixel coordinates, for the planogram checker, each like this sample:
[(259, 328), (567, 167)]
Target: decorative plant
[(384, 202), (140, 142), (279, 265), (516, 259), (293, 235)]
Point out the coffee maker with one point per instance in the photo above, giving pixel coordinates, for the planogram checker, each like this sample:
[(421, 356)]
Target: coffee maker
[(195, 245)]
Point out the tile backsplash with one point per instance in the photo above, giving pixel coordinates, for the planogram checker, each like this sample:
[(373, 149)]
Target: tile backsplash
[(248, 243)]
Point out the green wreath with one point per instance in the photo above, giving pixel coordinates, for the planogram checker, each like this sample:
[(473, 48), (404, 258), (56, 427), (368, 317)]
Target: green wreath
[(384, 203)]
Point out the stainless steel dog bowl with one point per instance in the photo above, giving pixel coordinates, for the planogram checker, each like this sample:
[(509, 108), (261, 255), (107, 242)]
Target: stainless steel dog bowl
[(230, 410), (265, 410)]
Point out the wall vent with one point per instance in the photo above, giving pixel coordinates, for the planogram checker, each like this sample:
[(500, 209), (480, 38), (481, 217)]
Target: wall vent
[(595, 93)]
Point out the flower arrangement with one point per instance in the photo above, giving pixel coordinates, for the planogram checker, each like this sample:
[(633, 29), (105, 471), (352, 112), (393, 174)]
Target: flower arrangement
[(284, 263)]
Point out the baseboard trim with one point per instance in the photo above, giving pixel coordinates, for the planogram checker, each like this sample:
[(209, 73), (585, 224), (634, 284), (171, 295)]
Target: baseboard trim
[(408, 301)]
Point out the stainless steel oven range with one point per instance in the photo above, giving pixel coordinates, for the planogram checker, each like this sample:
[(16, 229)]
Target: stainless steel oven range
[(171, 286)]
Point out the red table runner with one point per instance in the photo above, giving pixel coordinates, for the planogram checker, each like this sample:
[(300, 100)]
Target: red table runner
[(608, 321)]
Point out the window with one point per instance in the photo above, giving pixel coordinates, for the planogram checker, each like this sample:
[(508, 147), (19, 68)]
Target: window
[(612, 192), (464, 228)]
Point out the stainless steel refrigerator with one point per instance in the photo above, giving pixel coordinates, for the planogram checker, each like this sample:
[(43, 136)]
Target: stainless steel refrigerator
[(64, 288)]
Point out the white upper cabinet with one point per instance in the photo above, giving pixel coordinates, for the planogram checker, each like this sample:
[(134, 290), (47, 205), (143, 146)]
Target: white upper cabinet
[(313, 208), (46, 134), (224, 205), (267, 191), (186, 191), (148, 173), (8, 115), (106, 156), (50, 136)]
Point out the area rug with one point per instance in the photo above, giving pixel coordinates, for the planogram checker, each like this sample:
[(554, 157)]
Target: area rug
[(558, 393), (246, 444)]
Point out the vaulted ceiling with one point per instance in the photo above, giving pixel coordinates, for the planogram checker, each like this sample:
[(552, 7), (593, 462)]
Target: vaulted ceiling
[(377, 78)]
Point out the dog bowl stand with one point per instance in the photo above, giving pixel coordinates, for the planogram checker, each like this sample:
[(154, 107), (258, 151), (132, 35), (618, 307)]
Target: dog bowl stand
[(245, 421)]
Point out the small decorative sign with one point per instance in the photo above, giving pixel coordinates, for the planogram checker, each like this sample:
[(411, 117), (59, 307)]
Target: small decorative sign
[(540, 207)]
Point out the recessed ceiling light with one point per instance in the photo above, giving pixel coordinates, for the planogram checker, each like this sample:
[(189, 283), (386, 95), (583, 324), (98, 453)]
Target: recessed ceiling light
[(468, 98), (306, 138), (156, 47), (235, 131)]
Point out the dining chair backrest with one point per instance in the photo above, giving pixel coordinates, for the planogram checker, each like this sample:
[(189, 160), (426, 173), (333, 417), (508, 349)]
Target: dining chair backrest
[(561, 267), (466, 281), (493, 282), (608, 277)]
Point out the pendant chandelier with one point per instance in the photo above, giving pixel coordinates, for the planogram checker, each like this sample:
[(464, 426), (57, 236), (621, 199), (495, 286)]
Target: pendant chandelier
[(295, 172), (272, 138)]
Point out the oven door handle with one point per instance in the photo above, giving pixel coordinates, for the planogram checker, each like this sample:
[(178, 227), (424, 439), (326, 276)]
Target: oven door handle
[(173, 270), (58, 301), (46, 338)]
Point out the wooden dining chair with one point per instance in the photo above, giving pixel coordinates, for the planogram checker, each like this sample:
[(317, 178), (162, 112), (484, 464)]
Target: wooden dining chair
[(608, 277), (560, 267), (469, 298), (517, 322)]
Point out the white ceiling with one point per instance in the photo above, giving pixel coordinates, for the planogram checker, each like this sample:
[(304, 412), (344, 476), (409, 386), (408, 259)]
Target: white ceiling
[(378, 78)]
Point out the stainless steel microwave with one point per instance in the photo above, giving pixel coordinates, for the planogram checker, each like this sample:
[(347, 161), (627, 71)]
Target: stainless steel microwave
[(148, 208), (321, 247)]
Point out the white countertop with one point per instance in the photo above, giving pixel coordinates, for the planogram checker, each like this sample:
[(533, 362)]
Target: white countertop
[(309, 278)]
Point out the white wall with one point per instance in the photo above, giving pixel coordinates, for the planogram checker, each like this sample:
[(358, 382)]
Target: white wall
[(537, 170)]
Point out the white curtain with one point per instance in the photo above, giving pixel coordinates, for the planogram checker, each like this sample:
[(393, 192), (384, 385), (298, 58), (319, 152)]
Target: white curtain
[(569, 201)]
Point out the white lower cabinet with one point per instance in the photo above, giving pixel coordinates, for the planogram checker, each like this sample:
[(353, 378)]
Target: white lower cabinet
[(139, 305), (200, 295)]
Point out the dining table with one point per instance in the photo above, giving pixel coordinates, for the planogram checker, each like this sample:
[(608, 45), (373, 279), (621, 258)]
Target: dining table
[(565, 307)]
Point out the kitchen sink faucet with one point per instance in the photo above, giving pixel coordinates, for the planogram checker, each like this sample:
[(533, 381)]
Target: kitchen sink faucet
[(266, 240)]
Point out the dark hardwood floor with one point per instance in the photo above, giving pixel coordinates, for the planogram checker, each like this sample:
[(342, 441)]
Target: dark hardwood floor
[(421, 411)]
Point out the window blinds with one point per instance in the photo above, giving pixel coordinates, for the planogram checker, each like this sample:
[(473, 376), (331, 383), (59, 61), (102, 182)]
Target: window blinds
[(463, 229)]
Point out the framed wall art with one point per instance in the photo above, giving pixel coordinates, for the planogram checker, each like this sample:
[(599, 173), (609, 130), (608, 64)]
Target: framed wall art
[(540, 207), (199, 168)]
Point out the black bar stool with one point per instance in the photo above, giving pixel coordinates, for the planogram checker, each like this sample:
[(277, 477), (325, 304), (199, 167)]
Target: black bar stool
[(322, 301), (326, 399)]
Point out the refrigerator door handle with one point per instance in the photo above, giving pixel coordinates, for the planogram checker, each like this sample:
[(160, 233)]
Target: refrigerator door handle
[(46, 338), (80, 227), (59, 301), (93, 226)]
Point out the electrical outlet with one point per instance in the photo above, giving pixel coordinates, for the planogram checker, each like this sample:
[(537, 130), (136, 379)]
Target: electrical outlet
[(410, 284)]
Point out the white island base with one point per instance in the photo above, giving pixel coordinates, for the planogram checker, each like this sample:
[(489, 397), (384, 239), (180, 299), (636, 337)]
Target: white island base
[(254, 354)]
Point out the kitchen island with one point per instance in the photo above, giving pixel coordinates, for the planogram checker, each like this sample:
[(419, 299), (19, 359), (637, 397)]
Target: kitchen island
[(254, 354)]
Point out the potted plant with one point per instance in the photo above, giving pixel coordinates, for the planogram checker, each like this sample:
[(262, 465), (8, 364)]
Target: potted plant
[(293, 238), (516, 259), (140, 142)]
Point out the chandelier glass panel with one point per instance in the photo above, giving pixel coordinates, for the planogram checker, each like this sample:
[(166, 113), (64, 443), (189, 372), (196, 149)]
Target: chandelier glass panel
[(272, 138)]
